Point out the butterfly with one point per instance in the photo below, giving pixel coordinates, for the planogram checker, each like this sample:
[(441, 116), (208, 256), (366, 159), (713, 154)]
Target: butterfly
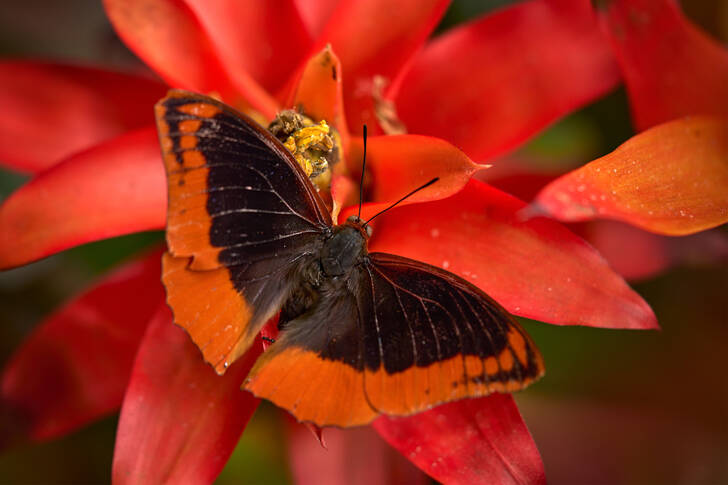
[(360, 334)]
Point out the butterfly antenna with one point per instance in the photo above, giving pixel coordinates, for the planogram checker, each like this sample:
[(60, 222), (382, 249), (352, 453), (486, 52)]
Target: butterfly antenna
[(363, 166), (403, 198)]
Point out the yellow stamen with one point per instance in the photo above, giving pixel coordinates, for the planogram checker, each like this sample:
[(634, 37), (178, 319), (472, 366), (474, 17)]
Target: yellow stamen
[(309, 145)]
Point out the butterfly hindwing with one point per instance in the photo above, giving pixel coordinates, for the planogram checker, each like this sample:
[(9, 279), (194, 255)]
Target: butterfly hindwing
[(314, 369), (241, 217), (399, 337), (432, 337)]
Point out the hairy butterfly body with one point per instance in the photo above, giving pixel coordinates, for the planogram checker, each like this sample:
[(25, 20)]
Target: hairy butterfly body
[(361, 333)]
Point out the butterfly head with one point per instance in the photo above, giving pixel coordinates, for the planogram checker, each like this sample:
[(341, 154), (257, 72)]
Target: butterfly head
[(357, 222)]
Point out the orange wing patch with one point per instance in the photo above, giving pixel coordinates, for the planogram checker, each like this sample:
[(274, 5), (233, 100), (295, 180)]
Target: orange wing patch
[(324, 392), (206, 304), (203, 110)]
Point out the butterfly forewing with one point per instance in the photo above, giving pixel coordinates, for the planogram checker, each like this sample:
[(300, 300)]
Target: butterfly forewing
[(241, 217)]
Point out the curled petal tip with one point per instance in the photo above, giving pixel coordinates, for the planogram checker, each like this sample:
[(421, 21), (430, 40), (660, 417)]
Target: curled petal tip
[(318, 434)]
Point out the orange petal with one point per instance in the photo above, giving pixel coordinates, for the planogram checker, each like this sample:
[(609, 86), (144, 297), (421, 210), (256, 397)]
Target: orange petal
[(319, 91), (671, 179), (397, 164), (112, 189), (670, 67)]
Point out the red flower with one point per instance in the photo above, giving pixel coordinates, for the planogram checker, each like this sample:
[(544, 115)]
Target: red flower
[(486, 86)]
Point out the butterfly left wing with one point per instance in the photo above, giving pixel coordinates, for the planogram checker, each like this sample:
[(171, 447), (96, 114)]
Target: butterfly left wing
[(399, 337), (242, 216)]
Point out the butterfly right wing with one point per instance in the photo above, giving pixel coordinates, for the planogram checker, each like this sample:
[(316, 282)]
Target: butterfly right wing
[(431, 337), (242, 217), (396, 338)]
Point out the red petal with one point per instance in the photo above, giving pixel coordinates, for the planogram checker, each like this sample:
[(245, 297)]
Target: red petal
[(168, 36), (316, 13), (471, 441), (262, 39), (524, 186), (636, 254), (371, 40), (180, 421), (398, 164), (631, 252), (536, 269), (353, 456), (344, 192), (671, 179), (75, 367), (112, 189), (51, 110), (671, 68), (493, 83)]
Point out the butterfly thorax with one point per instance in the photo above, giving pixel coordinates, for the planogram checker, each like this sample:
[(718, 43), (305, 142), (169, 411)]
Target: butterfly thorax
[(344, 248)]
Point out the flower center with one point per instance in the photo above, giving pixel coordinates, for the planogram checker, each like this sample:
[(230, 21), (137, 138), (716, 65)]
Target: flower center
[(315, 146)]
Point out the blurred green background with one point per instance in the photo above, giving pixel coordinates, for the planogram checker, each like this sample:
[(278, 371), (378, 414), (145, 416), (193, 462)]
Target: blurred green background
[(615, 406)]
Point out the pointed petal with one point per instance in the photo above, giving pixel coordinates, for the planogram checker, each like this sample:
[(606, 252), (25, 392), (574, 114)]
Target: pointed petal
[(169, 37), (372, 41), (180, 420), (490, 85), (536, 269), (397, 164), (112, 189), (473, 441), (319, 93), (671, 179), (355, 456), (261, 39), (670, 67), (53, 110), (75, 366)]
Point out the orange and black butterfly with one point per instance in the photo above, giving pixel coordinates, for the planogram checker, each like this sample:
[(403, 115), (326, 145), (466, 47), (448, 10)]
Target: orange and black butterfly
[(360, 334)]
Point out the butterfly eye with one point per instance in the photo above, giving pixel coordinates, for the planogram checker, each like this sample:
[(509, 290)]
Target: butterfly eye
[(369, 230), (353, 219)]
